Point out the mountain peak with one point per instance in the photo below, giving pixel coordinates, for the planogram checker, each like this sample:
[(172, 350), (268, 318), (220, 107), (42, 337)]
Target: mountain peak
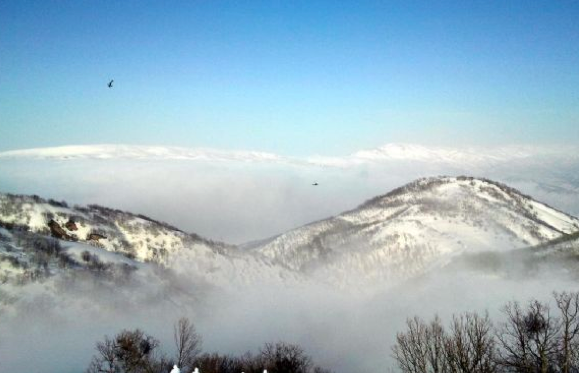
[(475, 185), (417, 227), (412, 229)]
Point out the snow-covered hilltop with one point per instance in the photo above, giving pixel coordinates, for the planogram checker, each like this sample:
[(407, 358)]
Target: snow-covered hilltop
[(137, 238), (415, 228), (403, 234)]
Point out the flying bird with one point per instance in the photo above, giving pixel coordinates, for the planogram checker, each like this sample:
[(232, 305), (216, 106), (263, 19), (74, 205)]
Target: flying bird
[(111, 83), (315, 184)]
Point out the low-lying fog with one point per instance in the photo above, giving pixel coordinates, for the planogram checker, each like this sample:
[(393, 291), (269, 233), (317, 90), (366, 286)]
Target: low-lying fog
[(56, 330), (237, 202)]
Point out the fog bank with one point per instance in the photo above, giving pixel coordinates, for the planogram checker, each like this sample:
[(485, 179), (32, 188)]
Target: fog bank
[(55, 330), (238, 202)]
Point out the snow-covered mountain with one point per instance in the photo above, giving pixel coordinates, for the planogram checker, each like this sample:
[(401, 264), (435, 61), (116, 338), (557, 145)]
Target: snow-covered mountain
[(463, 155), (269, 184), (136, 237), (405, 233), (115, 151), (414, 228), (555, 258), (393, 152), (452, 236)]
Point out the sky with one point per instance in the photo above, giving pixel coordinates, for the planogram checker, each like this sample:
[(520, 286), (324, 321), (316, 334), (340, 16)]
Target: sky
[(291, 77)]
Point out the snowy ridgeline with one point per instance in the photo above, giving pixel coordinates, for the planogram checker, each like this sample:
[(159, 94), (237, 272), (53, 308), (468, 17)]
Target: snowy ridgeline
[(415, 228), (134, 239), (471, 156), (135, 236)]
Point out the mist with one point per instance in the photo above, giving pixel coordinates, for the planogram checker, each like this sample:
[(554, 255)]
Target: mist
[(222, 128), (53, 326), (237, 202)]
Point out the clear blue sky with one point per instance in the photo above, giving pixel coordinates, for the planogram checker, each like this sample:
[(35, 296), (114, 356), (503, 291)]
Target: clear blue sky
[(292, 77)]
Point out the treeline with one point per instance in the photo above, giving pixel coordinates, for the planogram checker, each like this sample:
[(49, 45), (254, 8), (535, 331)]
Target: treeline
[(134, 351), (532, 338)]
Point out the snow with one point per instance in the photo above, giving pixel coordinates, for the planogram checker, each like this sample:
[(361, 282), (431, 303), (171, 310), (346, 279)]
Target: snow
[(457, 155), (474, 156), (555, 218), (75, 249), (109, 151), (399, 236), (148, 241), (386, 240)]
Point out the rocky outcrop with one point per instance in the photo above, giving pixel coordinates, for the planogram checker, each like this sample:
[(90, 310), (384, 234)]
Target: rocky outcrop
[(95, 237), (57, 231), (71, 225)]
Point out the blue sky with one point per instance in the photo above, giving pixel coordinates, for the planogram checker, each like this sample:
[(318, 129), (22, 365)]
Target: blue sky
[(291, 77)]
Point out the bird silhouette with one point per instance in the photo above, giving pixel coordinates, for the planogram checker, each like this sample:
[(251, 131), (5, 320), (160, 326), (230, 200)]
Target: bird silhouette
[(315, 184), (111, 83)]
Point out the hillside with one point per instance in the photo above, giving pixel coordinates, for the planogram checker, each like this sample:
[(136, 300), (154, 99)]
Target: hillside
[(417, 227), (136, 237), (413, 229)]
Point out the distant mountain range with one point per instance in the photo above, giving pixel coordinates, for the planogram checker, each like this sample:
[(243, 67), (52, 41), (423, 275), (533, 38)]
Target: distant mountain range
[(407, 232), (474, 156)]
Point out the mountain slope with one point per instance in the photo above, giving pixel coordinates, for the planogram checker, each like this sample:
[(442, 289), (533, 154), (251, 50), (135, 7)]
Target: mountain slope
[(165, 174), (555, 257), (415, 228), (140, 238)]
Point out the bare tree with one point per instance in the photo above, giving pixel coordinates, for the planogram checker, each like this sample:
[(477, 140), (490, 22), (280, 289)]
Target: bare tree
[(421, 348), (568, 305), (285, 357), (470, 344), (106, 360), (435, 340), (528, 340), (251, 363), (216, 363), (187, 342), (138, 351), (129, 352), (133, 351), (410, 348)]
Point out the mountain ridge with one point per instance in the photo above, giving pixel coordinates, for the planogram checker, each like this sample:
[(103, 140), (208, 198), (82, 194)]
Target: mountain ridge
[(137, 237), (391, 152), (405, 232)]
